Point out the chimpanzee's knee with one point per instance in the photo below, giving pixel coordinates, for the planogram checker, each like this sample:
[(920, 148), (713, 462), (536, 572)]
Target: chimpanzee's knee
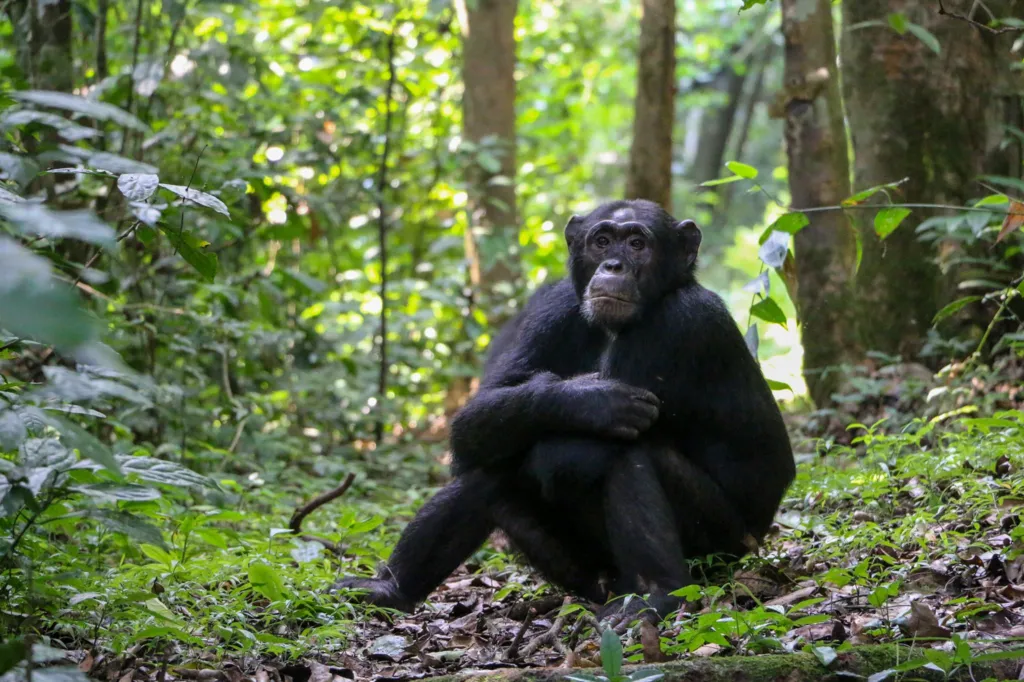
[(569, 467)]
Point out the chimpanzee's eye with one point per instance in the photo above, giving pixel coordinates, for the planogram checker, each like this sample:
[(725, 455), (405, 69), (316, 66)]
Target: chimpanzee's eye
[(602, 241), (637, 243)]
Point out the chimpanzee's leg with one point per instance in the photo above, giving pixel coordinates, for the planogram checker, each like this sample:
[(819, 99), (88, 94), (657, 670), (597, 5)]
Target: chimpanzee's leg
[(643, 528), (556, 516), (446, 530), (555, 543)]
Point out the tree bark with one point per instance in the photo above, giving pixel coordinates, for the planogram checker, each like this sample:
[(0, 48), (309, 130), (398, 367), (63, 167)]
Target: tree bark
[(716, 124), (650, 157), (819, 175), (42, 34), (923, 116), (489, 121), (747, 112)]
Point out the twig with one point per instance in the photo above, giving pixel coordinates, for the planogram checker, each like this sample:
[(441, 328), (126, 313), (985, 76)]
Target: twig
[(550, 636), (382, 231), (963, 17), (238, 434), (92, 259), (295, 524), (513, 649), (185, 200)]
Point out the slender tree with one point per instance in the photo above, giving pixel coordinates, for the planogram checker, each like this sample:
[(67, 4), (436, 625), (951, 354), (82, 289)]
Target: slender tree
[(489, 122), (819, 175), (650, 157)]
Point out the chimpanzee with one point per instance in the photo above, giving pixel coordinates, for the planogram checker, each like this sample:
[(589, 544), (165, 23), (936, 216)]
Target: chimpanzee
[(621, 428)]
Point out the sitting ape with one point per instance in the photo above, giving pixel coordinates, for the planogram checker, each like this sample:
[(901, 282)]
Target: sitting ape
[(621, 427)]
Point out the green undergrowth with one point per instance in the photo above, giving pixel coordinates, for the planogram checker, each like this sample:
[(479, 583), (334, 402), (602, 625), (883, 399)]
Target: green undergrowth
[(928, 511)]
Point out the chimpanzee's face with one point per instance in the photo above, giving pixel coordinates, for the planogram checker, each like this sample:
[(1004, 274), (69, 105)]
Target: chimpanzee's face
[(626, 255)]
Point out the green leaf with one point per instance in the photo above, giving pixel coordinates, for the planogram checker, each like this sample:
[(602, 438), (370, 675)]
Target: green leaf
[(113, 163), (925, 36), (191, 249), (898, 21), (741, 169), (825, 654), (12, 653), (769, 311), (888, 219), (114, 492), (791, 223), (721, 181), (138, 186), (266, 581), (194, 196), (75, 436), (33, 305), (95, 110), (779, 385), (611, 654), (126, 523), (160, 610), (953, 308), (37, 220), (158, 471)]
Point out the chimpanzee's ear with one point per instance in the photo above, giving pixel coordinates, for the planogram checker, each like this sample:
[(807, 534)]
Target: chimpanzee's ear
[(689, 238), (572, 229)]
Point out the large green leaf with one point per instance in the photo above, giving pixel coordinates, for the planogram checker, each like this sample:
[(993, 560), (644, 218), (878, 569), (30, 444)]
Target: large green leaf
[(769, 311), (266, 581), (34, 305), (159, 471), (192, 250), (80, 105), (36, 220)]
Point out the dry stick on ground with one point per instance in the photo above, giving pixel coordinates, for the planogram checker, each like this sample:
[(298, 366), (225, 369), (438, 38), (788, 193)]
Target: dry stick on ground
[(513, 649), (963, 17), (295, 523), (548, 637)]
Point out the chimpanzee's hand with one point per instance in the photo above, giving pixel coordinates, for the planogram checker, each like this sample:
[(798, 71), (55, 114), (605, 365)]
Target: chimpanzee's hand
[(608, 407), (377, 591)]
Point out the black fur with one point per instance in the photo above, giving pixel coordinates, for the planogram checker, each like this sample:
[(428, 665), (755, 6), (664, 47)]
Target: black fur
[(613, 443)]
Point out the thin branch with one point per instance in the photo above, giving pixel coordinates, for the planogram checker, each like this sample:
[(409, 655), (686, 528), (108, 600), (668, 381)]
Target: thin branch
[(92, 259), (945, 207), (513, 650), (295, 524), (382, 230), (977, 24)]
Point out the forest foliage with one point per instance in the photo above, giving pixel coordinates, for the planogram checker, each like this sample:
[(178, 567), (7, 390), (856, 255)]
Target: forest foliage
[(209, 211)]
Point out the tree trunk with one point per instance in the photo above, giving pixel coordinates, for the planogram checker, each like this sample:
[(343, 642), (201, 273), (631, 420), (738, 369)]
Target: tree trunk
[(716, 124), (747, 112), (922, 116), (43, 42), (819, 175), (489, 122), (650, 157)]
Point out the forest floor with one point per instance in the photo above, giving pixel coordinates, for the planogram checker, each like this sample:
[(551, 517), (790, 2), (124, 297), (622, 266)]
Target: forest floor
[(910, 535), (913, 537)]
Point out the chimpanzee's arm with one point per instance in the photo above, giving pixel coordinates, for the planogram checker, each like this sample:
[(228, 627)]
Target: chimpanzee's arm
[(717, 409), (534, 387)]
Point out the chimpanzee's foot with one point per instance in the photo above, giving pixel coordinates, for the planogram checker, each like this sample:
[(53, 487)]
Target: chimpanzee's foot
[(382, 592), (622, 611)]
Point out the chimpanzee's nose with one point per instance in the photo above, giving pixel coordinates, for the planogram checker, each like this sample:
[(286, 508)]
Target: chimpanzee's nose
[(612, 265)]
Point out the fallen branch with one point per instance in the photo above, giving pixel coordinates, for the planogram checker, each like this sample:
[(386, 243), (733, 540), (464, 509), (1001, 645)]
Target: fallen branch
[(295, 523), (513, 649), (550, 636)]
